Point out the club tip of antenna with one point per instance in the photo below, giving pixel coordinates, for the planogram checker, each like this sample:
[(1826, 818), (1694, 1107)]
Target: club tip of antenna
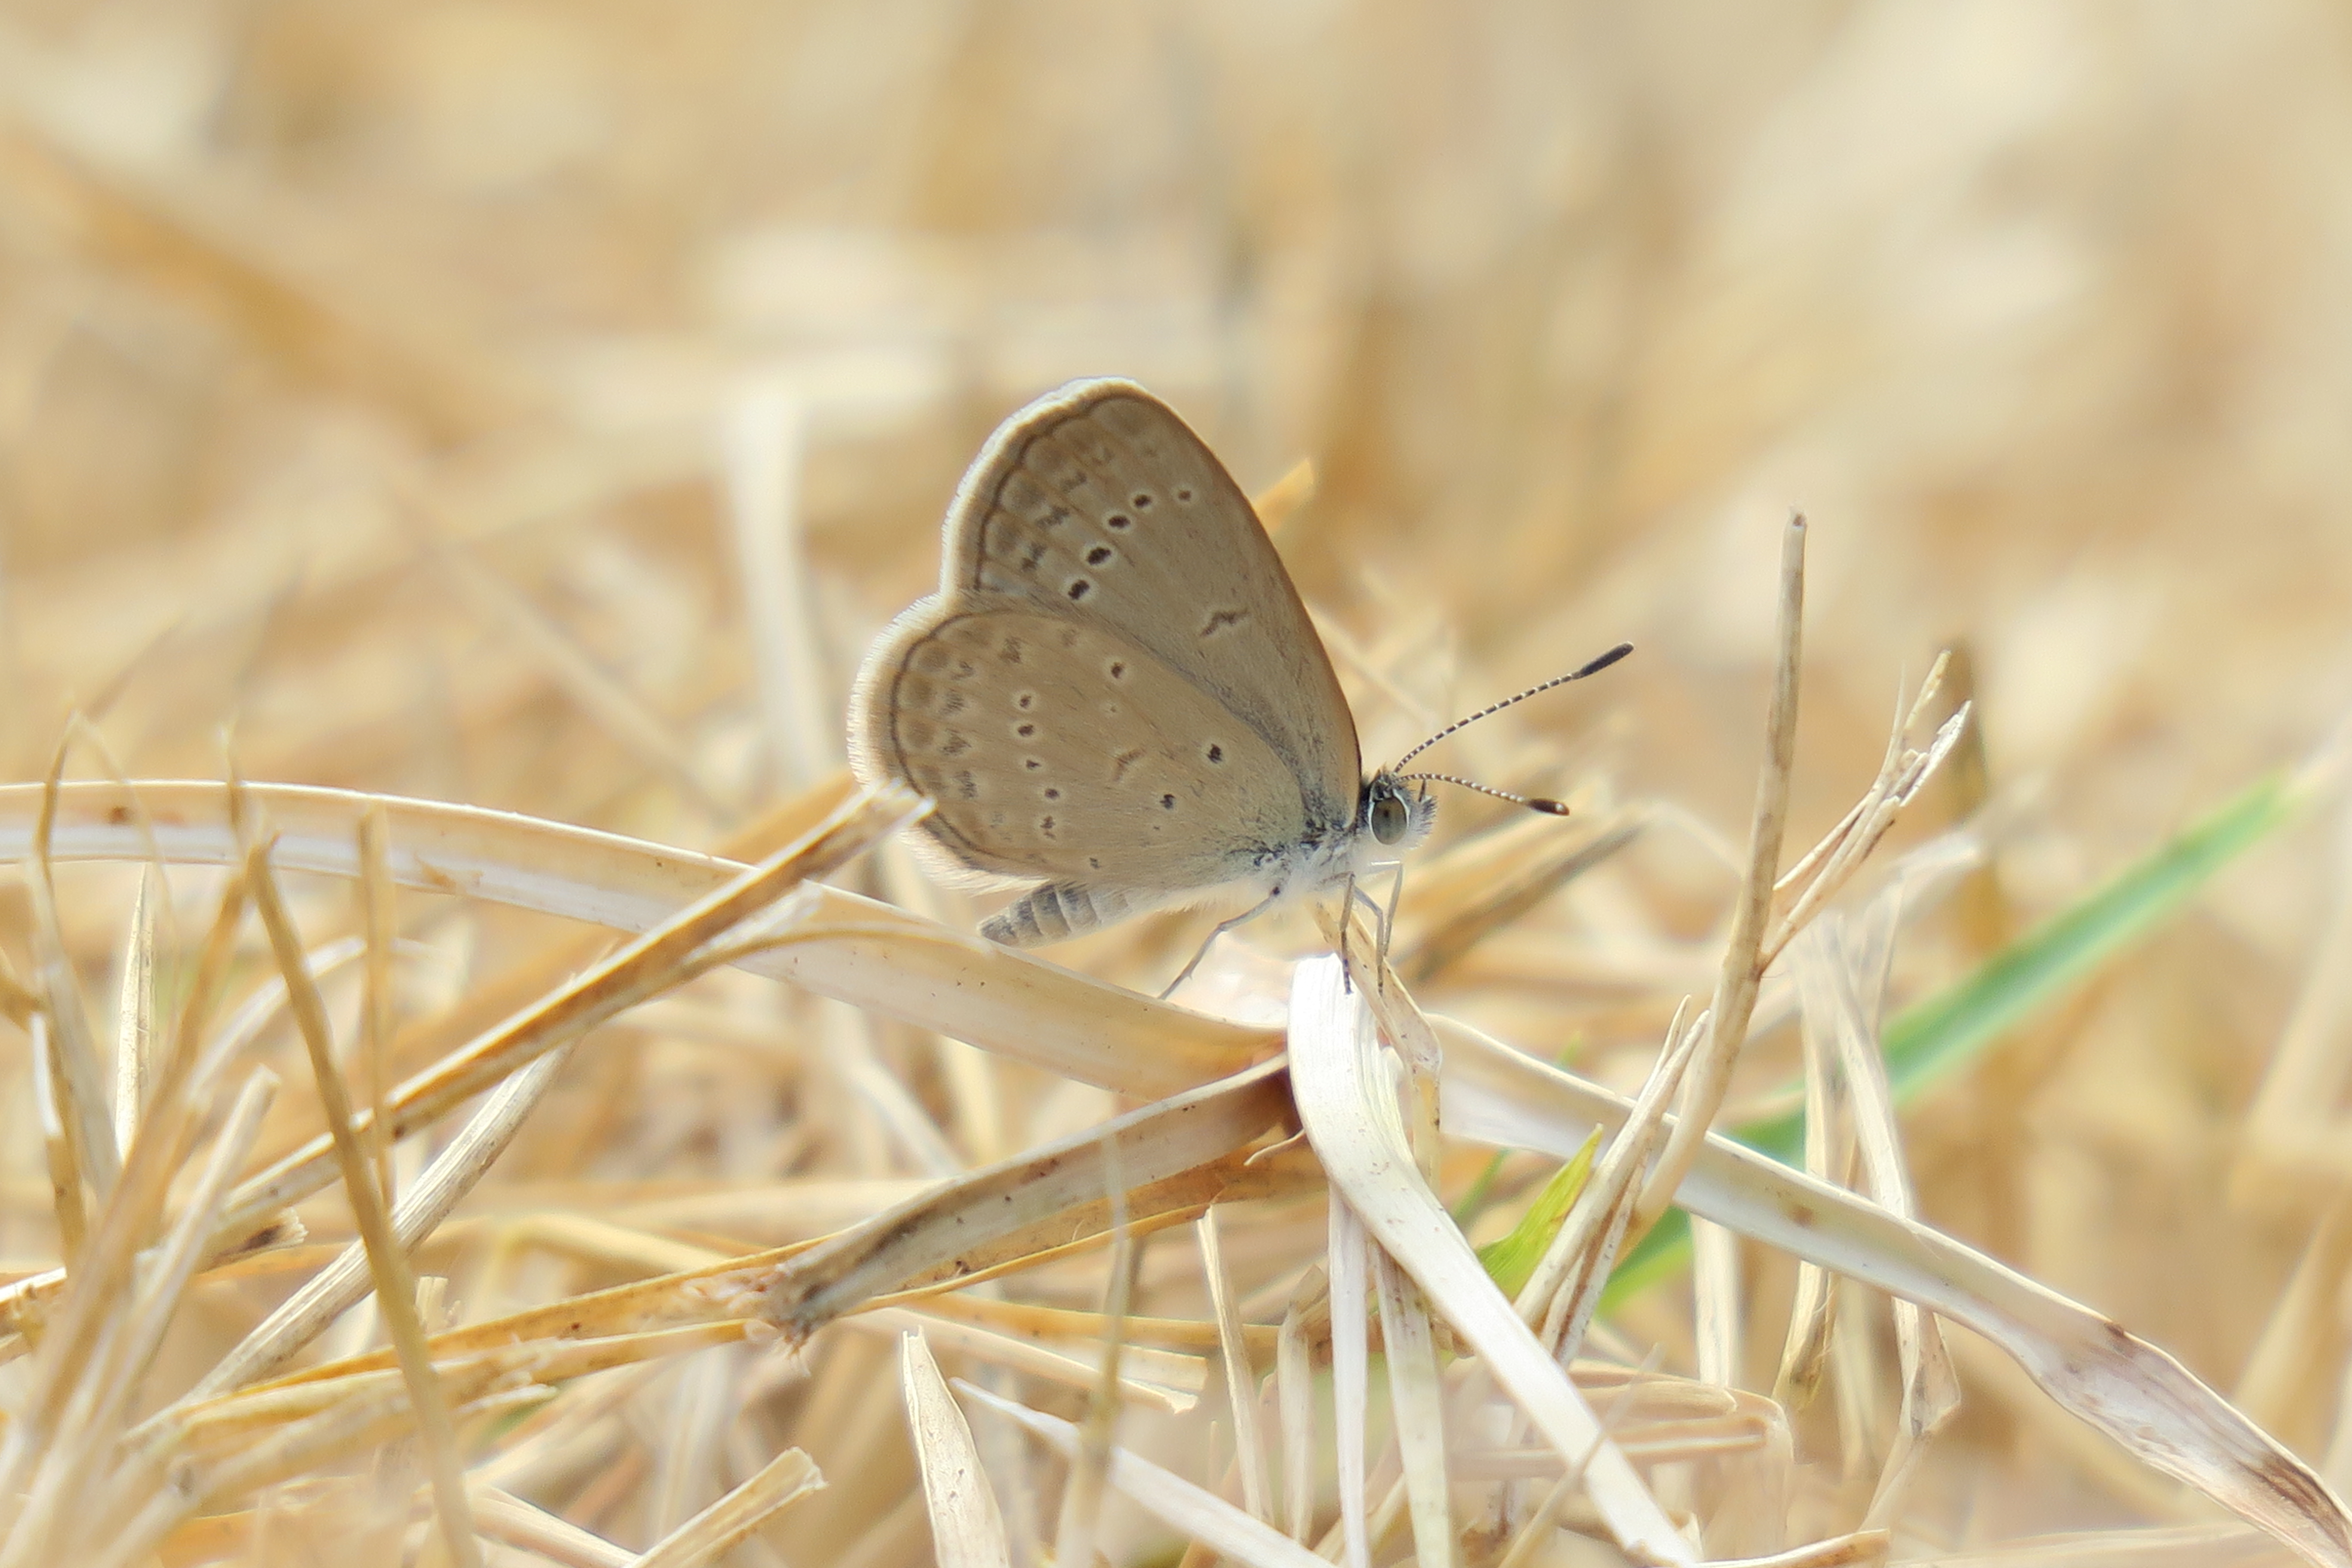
[(1541, 803)]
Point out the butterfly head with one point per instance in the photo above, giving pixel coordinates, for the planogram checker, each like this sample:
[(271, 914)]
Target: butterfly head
[(1395, 816)]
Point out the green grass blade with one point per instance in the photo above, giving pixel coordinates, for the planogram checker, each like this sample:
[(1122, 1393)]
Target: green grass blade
[(1511, 1261), (1940, 1034)]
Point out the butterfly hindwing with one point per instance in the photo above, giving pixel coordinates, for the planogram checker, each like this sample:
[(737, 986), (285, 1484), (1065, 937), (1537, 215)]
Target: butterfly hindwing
[(1058, 750)]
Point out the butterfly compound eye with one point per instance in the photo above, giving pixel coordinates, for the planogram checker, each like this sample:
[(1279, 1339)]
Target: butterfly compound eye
[(1389, 818)]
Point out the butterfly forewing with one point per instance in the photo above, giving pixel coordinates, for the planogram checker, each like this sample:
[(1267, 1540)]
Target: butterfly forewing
[(1058, 749), (1100, 507)]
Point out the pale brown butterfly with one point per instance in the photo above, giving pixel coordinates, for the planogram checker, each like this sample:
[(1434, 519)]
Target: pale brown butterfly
[(1116, 698)]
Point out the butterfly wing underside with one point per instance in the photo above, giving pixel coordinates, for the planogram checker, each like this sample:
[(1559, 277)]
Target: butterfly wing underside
[(1098, 503), (1116, 692)]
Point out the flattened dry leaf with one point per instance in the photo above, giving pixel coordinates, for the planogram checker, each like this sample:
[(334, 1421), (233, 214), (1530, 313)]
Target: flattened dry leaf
[(901, 1245), (849, 948), (1349, 1109)]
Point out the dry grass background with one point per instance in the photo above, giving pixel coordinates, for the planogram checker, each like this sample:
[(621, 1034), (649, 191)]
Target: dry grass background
[(538, 406)]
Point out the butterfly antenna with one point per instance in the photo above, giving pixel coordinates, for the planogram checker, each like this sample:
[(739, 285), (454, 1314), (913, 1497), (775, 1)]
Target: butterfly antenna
[(1594, 668), (1532, 802)]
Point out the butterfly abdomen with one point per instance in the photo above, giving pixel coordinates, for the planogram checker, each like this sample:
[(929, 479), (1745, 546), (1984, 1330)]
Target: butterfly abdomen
[(1055, 912)]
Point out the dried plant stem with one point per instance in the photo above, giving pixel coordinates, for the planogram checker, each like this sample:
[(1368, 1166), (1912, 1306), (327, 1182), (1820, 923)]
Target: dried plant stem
[(1734, 989), (378, 922), (331, 1291), (605, 989), (126, 1224), (395, 1282), (1082, 1495), (1249, 1444)]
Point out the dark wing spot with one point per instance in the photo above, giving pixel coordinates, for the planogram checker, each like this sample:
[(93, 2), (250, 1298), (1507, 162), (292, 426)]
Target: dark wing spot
[(955, 745), (1183, 495), (1167, 803), (1032, 556), (1215, 752), (952, 704), (1118, 670), (1093, 864), (1025, 731), (1052, 794), (967, 786), (1099, 554), (1124, 761), (1118, 521), (1026, 701), (966, 669), (1079, 588), (1031, 764), (1142, 500), (1011, 651), (1045, 825), (1222, 620)]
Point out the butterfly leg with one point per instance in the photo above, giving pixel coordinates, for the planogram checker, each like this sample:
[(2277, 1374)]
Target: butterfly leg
[(1251, 913), (1387, 919)]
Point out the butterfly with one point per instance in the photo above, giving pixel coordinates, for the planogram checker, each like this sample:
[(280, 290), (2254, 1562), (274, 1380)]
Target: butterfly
[(1115, 700)]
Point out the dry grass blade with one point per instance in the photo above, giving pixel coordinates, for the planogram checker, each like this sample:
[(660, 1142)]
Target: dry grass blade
[(1417, 1397), (2141, 1397), (905, 1244), (1159, 1380), (855, 950), (501, 1516), (181, 1097), (1831, 977), (1743, 966), (78, 1085), (785, 1481), (1176, 1502), (388, 1264), (1295, 1395), (65, 1511), (1348, 1259), (134, 1011), (1241, 1381), (966, 1529), (331, 1291), (652, 962), (1560, 1295), (379, 927), (1347, 1105)]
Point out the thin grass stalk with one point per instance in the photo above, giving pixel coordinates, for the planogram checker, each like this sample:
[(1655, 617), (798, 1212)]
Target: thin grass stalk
[(335, 1289), (1241, 1381), (379, 998), (1082, 1492), (1734, 990), (80, 1085), (395, 1282)]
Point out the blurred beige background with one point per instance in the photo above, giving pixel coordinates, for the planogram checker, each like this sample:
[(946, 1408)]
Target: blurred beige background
[(540, 405)]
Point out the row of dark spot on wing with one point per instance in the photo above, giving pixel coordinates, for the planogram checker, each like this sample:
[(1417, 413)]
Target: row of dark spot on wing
[(1056, 440)]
